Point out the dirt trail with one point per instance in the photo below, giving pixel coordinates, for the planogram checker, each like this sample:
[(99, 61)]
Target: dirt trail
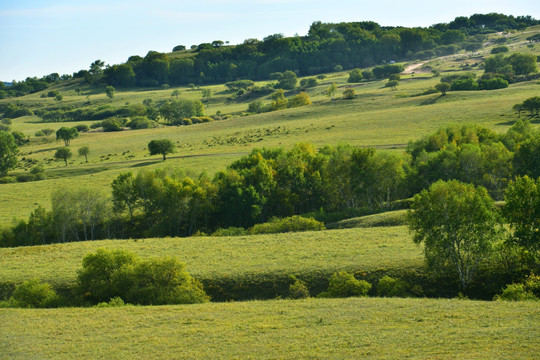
[(409, 69)]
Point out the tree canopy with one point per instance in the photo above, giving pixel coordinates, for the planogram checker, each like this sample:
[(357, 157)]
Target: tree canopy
[(8, 152), (163, 147)]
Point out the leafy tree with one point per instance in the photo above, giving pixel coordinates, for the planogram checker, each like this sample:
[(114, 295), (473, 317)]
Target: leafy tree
[(59, 97), (84, 151), (300, 99), (331, 91), (523, 64), (349, 94), (343, 284), (175, 111), (308, 82), (163, 147), (255, 107), (287, 80), (355, 76), (443, 87), (109, 90), (522, 210), (63, 153), (8, 152), (278, 100), (67, 134), (175, 93), (47, 131), (207, 94), (179, 48), (368, 75), (458, 224), (527, 157), (393, 84)]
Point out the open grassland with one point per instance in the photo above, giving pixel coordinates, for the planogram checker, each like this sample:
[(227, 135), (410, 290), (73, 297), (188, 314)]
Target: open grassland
[(377, 117), (321, 252), (303, 329)]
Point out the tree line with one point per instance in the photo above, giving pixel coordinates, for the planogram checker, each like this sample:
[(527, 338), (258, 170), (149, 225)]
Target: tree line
[(269, 183)]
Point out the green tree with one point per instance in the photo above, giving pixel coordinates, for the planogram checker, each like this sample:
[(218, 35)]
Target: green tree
[(442, 87), (331, 91), (8, 153), (279, 101), (349, 94), (206, 94), (522, 210), (355, 76), (393, 84), (67, 134), (59, 97), (523, 64), (287, 80), (458, 224), (84, 151), (63, 153), (175, 94), (109, 90), (163, 147)]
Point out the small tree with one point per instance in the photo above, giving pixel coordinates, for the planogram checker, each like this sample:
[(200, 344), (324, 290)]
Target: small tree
[(457, 224), (355, 76), (8, 152), (163, 147), (331, 91), (287, 80), (175, 93), (84, 151), (443, 87), (349, 94), (392, 84), (109, 90), (58, 97), (63, 153), (67, 134), (207, 94)]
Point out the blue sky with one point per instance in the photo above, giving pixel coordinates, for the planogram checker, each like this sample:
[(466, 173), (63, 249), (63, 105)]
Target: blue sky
[(39, 37)]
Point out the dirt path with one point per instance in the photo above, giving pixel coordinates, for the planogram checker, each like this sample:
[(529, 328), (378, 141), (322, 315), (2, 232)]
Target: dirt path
[(409, 69)]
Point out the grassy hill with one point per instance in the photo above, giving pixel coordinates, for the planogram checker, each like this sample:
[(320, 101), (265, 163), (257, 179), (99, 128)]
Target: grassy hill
[(302, 329)]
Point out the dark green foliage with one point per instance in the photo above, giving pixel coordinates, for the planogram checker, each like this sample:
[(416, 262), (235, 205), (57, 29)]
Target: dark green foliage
[(255, 107), (298, 289), (384, 71), (391, 287), (499, 49), (107, 274), (355, 76), (287, 80), (515, 292), (67, 134), (140, 122), (349, 94), (81, 128), (112, 124), (464, 84), (34, 294), (163, 147), (289, 224), (443, 87), (63, 153), (492, 84), (308, 82), (343, 284), (175, 111)]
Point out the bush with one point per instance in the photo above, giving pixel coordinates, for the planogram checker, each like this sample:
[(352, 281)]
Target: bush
[(38, 133), (301, 99), (230, 231), (140, 122), (368, 75), (187, 122), (298, 289), (112, 124), (390, 287), (355, 76), (343, 284), (255, 107), (493, 84), (349, 94), (114, 302), (107, 274), (463, 85), (515, 292), (290, 224), (499, 49), (34, 294)]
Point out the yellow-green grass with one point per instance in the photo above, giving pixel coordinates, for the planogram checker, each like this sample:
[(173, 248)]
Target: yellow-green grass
[(351, 328), (378, 117), (389, 218), (367, 249)]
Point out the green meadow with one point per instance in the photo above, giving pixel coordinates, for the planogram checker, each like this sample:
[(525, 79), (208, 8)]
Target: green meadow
[(350, 328)]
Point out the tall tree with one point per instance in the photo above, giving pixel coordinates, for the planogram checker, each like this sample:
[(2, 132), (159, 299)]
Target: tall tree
[(67, 134), (8, 152)]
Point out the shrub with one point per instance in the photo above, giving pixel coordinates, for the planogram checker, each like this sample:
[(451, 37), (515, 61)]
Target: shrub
[(532, 284), (298, 289), (140, 122), (290, 224), (349, 94), (4, 127), (390, 287), (230, 231), (114, 302), (463, 85), (107, 274), (82, 128), (301, 99), (255, 107), (187, 122), (308, 82), (368, 75), (34, 294), (499, 49), (38, 133), (515, 292), (112, 124), (493, 84), (394, 77), (355, 76), (343, 284)]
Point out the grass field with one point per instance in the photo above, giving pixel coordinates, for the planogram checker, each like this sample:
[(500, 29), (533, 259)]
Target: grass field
[(362, 249), (352, 328)]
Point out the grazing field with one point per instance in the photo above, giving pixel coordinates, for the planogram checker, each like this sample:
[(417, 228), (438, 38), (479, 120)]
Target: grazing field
[(324, 252), (285, 329)]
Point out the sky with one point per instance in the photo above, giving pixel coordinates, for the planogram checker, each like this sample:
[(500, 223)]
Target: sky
[(39, 37)]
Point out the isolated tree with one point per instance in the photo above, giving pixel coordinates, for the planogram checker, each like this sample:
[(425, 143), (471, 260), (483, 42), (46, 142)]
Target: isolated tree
[(109, 90), (163, 147), (84, 151), (8, 152), (519, 108), (331, 91), (67, 134), (392, 84), (287, 80), (179, 48), (443, 87), (349, 94), (175, 93), (207, 94), (355, 76), (63, 153), (457, 223), (78, 91)]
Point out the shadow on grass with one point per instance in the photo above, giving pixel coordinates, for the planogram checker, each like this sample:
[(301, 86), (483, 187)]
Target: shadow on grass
[(431, 101), (146, 163)]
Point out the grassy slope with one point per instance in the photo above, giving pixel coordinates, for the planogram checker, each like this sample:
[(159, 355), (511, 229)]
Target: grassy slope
[(221, 257), (286, 329), (211, 146)]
